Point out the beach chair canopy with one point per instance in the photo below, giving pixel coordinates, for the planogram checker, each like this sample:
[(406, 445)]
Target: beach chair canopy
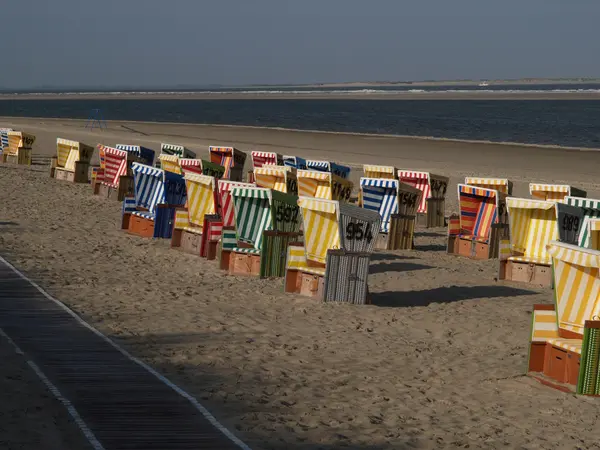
[(279, 178), (201, 197), (327, 166), (146, 155), (69, 152), (227, 157), (323, 185), (4, 137), (387, 197), (260, 159), (499, 184), (576, 285), (432, 186), (176, 150), (258, 210), (17, 140), (294, 161), (115, 164), (373, 171), (153, 186), (532, 226), (556, 192), (591, 210), (480, 208), (329, 224), (225, 201)]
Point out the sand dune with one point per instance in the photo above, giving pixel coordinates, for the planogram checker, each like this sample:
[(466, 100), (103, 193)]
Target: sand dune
[(436, 361)]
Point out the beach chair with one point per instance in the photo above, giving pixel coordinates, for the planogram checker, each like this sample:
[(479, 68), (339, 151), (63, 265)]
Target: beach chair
[(396, 203), (266, 222), (433, 202), (554, 192), (72, 161), (190, 220), (151, 210), (323, 185), (327, 166), (279, 178), (294, 161), (564, 350), (387, 172), (499, 184), (18, 148), (4, 138), (591, 211), (145, 155), (175, 164), (115, 179), (231, 158), (532, 225), (260, 159), (481, 224), (331, 225), (176, 150)]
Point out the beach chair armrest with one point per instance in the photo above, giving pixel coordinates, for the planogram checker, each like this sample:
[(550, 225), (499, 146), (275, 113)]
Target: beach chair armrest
[(453, 225)]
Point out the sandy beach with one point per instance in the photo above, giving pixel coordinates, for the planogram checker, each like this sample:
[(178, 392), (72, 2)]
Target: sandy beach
[(436, 361)]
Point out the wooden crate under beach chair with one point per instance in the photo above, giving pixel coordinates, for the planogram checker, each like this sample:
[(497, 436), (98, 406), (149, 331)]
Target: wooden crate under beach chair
[(323, 185), (564, 350), (72, 161), (481, 224), (19, 148), (266, 221), (231, 158), (431, 211), (328, 166), (499, 184), (115, 180), (189, 221), (327, 225), (150, 211), (278, 178), (532, 225), (554, 192), (396, 203)]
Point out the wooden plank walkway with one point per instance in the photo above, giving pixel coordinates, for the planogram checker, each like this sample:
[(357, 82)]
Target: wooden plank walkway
[(123, 403)]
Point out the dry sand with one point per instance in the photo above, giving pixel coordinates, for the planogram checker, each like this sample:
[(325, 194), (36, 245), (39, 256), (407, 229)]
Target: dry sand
[(436, 362)]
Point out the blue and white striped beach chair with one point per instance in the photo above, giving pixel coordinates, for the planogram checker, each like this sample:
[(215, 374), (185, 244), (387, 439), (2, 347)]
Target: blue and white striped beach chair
[(294, 161), (327, 166), (145, 154), (150, 212)]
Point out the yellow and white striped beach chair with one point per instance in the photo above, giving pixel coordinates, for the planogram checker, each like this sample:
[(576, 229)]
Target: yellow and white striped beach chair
[(278, 178), (72, 161), (554, 192), (499, 184), (19, 148), (324, 185)]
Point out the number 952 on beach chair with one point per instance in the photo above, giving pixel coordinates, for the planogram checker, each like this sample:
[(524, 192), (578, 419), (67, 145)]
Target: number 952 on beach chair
[(266, 222), (565, 337), (157, 193), (331, 225)]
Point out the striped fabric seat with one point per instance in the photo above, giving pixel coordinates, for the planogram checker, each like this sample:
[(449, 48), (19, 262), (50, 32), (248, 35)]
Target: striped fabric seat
[(146, 155), (144, 214), (250, 251), (431, 185), (294, 161), (572, 345), (544, 326), (478, 211), (577, 285), (532, 227), (228, 240)]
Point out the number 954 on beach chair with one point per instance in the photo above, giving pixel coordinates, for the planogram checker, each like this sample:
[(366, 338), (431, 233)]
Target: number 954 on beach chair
[(157, 193), (333, 263), (481, 224), (266, 222), (565, 337), (72, 161), (396, 203)]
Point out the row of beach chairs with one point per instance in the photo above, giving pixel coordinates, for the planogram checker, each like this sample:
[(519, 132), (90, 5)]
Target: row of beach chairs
[(296, 219)]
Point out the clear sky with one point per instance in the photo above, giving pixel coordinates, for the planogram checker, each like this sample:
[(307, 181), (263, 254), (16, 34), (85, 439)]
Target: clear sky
[(196, 42)]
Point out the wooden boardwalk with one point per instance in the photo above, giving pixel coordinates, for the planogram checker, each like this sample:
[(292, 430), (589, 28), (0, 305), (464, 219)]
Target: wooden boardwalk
[(121, 403)]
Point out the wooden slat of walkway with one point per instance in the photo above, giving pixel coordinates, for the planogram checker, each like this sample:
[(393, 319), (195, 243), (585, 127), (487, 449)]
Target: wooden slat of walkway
[(124, 405)]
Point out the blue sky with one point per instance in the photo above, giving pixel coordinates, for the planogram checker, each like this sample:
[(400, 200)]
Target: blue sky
[(195, 42)]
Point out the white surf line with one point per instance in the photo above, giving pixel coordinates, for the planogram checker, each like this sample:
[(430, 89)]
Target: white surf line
[(89, 435), (207, 415)]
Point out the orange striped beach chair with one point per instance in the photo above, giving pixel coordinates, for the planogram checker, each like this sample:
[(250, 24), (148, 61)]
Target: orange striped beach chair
[(532, 225), (324, 185), (482, 221), (564, 350), (433, 203), (231, 158), (278, 178)]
